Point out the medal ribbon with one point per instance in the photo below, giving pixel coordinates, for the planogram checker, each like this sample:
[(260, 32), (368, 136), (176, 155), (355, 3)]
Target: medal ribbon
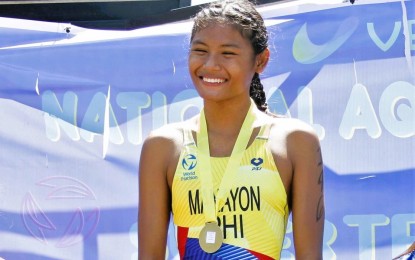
[(209, 207)]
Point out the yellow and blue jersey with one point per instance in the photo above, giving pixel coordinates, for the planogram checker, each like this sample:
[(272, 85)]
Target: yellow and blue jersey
[(254, 216)]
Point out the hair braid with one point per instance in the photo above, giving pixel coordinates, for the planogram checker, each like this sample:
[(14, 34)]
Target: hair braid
[(256, 91)]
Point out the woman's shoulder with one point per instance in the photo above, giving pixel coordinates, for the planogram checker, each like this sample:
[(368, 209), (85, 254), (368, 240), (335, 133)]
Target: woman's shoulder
[(166, 132), (169, 134), (296, 140), (291, 129)]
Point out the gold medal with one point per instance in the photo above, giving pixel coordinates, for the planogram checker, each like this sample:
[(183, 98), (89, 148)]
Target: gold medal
[(210, 237)]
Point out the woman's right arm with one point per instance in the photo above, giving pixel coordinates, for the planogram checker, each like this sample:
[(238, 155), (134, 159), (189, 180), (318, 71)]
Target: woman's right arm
[(154, 198)]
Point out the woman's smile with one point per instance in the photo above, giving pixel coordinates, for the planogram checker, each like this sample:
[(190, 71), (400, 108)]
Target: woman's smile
[(213, 80)]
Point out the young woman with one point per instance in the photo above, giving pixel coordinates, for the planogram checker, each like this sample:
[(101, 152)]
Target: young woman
[(232, 175)]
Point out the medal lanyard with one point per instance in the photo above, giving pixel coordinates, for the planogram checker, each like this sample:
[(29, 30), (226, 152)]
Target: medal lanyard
[(209, 207)]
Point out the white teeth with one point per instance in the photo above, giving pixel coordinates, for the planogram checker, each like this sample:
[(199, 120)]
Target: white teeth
[(211, 80)]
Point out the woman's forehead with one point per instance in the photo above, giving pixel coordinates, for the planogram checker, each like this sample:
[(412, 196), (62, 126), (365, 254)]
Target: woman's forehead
[(219, 30)]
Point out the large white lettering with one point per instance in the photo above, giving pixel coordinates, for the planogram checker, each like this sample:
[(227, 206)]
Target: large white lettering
[(134, 103), (58, 116), (396, 113), (386, 45), (397, 109), (359, 114), (366, 232), (305, 110)]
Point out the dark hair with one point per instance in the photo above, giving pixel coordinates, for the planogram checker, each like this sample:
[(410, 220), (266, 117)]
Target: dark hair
[(243, 15)]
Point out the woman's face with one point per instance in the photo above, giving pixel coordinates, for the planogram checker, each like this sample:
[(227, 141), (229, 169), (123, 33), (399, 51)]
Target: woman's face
[(221, 63)]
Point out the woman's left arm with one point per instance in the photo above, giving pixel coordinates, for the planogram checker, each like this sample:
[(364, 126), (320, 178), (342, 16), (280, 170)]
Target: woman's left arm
[(307, 193)]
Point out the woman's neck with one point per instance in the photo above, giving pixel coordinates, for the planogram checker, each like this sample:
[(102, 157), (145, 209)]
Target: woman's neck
[(226, 117)]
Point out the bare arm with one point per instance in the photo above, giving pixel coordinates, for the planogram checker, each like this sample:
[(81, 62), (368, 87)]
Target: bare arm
[(154, 198), (307, 193)]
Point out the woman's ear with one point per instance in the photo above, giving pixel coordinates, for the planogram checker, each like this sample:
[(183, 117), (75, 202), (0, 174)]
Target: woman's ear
[(262, 61)]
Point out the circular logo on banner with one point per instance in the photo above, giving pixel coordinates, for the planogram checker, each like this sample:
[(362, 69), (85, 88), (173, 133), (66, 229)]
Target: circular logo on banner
[(62, 209)]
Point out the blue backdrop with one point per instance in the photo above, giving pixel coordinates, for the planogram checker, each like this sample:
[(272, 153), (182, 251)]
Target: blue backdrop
[(75, 107)]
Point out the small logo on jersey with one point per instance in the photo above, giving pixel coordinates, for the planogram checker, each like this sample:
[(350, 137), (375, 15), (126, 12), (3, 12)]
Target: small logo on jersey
[(256, 162), (189, 162)]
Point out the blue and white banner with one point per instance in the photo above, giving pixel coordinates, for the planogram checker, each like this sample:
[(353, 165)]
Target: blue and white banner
[(76, 105)]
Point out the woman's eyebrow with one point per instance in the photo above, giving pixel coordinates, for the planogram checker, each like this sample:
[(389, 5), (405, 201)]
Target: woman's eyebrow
[(198, 42), (225, 45), (231, 45)]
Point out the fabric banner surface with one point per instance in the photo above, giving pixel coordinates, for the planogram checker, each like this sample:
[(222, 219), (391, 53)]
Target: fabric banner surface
[(76, 105)]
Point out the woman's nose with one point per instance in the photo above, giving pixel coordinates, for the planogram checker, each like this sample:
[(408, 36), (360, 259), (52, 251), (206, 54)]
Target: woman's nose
[(212, 62)]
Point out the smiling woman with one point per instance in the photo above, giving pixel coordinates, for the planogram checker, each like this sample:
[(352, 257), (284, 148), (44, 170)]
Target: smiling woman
[(222, 63), (231, 175)]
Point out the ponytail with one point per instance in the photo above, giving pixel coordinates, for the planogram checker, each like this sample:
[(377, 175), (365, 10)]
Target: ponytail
[(257, 93)]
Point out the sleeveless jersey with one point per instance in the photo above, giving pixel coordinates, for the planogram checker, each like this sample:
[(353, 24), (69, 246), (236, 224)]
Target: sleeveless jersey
[(254, 216)]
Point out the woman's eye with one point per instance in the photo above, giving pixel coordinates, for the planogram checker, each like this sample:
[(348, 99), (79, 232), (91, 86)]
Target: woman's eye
[(228, 53), (199, 51)]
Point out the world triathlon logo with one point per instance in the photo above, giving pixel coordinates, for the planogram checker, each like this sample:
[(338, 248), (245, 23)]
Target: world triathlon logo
[(189, 162)]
